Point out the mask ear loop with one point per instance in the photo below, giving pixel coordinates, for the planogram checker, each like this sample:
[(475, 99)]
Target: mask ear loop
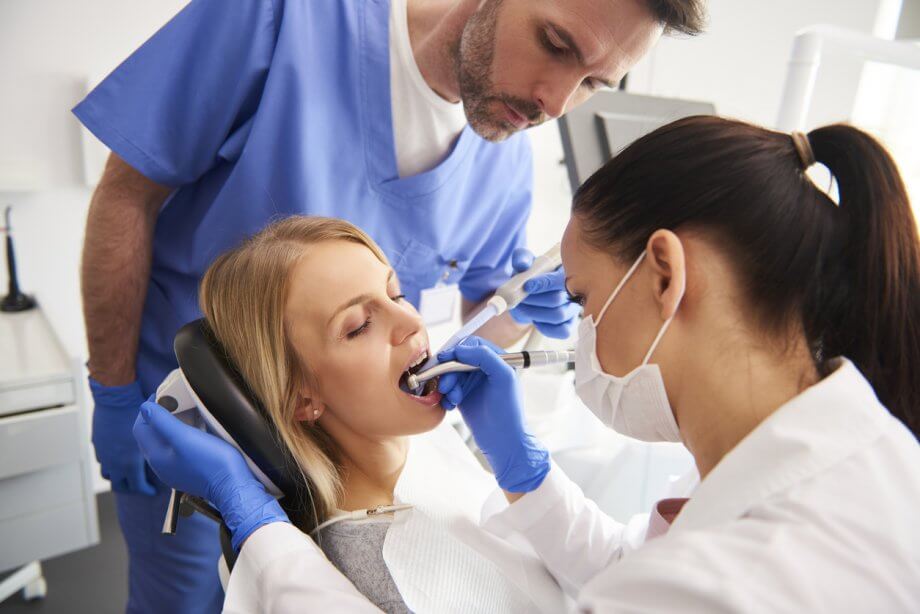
[(619, 287), (665, 326)]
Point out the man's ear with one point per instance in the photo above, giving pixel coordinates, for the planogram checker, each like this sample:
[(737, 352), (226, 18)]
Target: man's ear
[(665, 255)]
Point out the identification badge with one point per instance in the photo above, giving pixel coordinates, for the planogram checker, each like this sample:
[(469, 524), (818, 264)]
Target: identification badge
[(437, 305)]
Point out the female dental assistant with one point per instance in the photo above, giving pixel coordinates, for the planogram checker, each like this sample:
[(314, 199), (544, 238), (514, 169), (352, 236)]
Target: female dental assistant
[(398, 116), (731, 305)]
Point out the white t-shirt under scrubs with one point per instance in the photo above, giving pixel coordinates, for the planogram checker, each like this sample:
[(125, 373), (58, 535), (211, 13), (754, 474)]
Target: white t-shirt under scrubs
[(425, 125)]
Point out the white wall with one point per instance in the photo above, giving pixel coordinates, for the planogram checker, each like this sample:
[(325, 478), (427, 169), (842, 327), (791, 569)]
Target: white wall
[(739, 64), (49, 49)]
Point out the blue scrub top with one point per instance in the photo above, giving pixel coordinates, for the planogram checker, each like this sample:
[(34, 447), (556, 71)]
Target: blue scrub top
[(259, 109)]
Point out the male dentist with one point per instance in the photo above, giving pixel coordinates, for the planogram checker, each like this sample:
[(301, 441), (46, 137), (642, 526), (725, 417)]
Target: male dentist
[(401, 116)]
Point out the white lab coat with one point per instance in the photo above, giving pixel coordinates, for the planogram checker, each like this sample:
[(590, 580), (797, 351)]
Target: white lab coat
[(815, 510)]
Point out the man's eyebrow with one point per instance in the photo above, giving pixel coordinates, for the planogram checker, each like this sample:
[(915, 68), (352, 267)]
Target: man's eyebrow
[(361, 298), (569, 41)]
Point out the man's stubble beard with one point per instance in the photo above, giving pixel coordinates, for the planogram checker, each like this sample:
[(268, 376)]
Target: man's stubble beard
[(473, 55)]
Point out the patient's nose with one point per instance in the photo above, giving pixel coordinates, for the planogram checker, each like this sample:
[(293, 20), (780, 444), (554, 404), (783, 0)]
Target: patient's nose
[(406, 323)]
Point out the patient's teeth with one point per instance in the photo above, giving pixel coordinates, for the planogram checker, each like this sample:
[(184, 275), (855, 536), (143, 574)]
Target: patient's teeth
[(420, 360)]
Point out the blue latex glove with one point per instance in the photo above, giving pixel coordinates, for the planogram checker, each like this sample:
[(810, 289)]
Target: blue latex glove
[(201, 464), (547, 305), (490, 402), (116, 450)]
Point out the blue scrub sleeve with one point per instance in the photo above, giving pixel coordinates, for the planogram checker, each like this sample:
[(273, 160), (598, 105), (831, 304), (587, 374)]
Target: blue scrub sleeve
[(491, 266), (169, 107)]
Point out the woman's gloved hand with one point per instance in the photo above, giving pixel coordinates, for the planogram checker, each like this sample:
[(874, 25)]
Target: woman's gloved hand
[(196, 462), (547, 306), (113, 416), (490, 402)]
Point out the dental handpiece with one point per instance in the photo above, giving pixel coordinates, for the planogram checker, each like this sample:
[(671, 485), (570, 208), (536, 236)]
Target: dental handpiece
[(518, 360)]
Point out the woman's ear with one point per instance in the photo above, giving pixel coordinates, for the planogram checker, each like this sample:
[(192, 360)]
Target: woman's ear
[(311, 406), (665, 255), (308, 410)]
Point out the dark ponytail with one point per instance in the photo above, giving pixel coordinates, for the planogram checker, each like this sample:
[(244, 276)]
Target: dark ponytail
[(847, 275), (876, 321)]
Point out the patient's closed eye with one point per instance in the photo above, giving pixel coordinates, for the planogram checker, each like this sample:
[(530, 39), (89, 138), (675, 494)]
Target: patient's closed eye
[(367, 323), (360, 330)]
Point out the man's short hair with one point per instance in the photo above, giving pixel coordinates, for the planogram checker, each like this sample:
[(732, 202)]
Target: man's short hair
[(683, 16)]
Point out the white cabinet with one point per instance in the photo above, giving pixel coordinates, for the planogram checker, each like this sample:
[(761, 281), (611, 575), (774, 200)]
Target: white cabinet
[(47, 504)]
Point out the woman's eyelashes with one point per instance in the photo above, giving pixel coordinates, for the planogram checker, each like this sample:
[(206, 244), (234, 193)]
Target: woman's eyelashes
[(360, 330), (578, 299), (367, 322)]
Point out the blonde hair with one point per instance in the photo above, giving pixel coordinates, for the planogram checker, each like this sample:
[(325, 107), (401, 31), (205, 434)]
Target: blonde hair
[(242, 295)]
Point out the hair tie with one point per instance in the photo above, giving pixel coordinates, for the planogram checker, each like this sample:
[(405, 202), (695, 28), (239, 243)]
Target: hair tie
[(803, 148)]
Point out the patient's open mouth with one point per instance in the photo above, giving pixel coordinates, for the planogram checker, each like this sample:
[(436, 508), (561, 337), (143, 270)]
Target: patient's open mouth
[(427, 388)]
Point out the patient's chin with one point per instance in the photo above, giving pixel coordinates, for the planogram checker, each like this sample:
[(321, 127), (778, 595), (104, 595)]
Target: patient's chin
[(422, 419), (435, 416)]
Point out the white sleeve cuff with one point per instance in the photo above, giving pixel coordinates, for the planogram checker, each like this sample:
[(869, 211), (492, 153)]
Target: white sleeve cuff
[(573, 538), (500, 518)]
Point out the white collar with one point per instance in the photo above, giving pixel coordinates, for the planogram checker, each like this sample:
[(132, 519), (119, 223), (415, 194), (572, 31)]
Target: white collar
[(399, 23), (823, 425)]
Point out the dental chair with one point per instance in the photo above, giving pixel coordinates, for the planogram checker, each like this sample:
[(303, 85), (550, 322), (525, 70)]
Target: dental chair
[(208, 392)]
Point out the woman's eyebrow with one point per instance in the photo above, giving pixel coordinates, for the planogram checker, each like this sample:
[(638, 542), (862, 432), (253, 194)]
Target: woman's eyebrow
[(361, 298)]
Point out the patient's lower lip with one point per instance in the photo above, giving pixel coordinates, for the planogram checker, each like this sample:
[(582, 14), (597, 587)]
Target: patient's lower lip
[(432, 398)]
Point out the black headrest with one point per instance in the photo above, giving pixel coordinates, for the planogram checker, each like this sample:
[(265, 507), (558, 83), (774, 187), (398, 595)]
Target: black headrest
[(229, 400)]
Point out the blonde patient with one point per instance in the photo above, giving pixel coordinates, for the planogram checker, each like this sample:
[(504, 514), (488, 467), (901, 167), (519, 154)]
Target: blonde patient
[(311, 314)]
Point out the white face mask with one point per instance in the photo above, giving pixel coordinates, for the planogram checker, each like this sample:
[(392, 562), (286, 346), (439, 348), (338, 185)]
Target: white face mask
[(636, 404)]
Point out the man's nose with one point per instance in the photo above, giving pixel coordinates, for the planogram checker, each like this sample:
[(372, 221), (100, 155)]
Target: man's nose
[(554, 92)]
